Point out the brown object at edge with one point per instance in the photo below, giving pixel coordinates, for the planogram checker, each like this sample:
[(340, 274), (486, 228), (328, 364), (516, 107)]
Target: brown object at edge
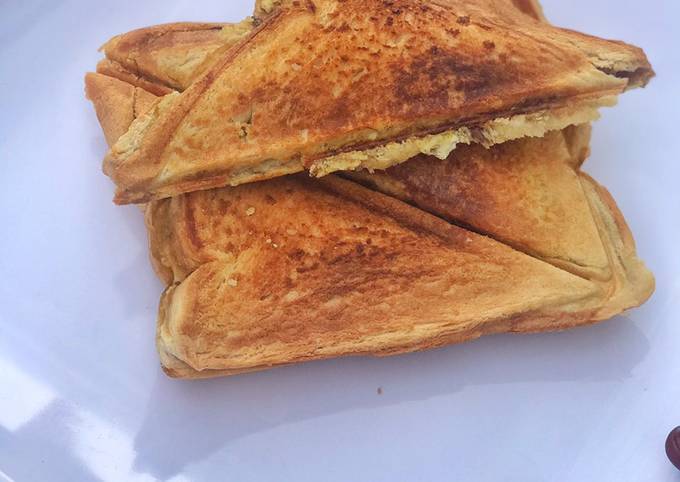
[(673, 447)]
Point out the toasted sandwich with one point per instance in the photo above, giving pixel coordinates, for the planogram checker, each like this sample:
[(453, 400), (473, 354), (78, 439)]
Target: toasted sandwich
[(330, 85), (297, 269)]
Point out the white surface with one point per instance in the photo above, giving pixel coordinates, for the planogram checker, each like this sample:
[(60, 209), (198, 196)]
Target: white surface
[(81, 394)]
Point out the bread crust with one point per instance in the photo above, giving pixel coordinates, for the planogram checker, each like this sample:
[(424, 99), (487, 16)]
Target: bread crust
[(275, 296)]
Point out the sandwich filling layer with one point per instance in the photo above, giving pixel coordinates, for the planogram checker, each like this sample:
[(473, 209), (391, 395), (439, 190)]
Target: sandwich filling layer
[(442, 144)]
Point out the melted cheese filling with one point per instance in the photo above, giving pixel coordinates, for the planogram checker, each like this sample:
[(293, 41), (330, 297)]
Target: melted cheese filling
[(441, 145)]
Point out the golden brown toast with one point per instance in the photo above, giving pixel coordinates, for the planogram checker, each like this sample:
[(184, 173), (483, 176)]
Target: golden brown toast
[(170, 55), (295, 269), (167, 58), (352, 84), (524, 193), (155, 58), (630, 283), (160, 58), (335, 270)]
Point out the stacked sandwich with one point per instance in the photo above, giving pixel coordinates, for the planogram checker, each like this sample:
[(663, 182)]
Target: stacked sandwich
[(367, 177)]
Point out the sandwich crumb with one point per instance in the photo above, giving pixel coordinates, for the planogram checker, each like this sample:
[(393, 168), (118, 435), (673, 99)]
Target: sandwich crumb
[(232, 282), (250, 211)]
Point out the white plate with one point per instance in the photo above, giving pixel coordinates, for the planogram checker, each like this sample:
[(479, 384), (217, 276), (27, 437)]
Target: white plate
[(81, 394)]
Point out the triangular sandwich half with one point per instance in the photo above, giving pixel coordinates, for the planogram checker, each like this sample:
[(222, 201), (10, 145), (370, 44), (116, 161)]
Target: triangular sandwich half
[(296, 270), (330, 85), (524, 193)]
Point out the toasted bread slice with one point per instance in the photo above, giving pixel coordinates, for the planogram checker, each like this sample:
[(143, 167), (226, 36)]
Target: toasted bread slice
[(356, 85), (524, 193), (296, 269), (167, 58), (171, 55), (161, 58), (292, 270)]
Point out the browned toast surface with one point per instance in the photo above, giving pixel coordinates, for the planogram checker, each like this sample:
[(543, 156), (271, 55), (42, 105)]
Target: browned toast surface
[(351, 84), (297, 269), (524, 193)]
